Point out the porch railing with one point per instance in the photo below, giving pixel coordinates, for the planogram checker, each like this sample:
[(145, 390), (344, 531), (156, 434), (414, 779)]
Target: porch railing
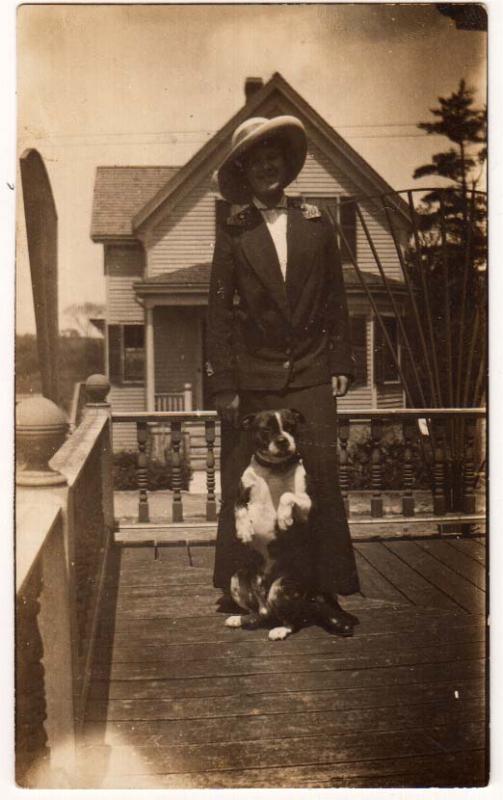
[(64, 529), (435, 422), (174, 401)]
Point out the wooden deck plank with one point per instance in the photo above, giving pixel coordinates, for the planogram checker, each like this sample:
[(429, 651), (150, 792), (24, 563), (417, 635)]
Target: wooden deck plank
[(473, 548), (248, 755), (419, 591), (179, 700), (282, 703), (216, 686), (144, 651), (457, 561), (210, 627), (373, 584), (465, 769), (228, 666), (286, 725), (202, 555), (463, 593)]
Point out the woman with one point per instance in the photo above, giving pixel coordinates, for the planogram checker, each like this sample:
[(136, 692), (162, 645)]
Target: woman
[(278, 337)]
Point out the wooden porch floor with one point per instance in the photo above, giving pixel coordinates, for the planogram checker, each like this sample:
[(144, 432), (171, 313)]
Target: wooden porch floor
[(178, 700)]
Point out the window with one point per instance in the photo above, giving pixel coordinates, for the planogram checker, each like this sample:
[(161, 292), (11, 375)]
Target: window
[(343, 210), (359, 342), (126, 353), (385, 369)]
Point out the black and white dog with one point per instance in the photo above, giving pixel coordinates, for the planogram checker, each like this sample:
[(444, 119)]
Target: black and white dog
[(273, 518)]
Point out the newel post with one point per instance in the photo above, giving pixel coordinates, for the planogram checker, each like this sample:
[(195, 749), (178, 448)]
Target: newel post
[(41, 429), (97, 389)]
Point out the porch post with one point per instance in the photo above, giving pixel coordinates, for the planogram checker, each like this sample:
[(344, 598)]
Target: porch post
[(149, 358)]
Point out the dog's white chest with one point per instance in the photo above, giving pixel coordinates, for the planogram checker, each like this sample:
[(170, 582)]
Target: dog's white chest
[(258, 523)]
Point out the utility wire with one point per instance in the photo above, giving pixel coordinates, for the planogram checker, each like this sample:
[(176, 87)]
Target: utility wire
[(209, 132)]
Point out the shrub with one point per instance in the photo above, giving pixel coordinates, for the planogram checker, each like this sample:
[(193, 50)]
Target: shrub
[(392, 452), (159, 476)]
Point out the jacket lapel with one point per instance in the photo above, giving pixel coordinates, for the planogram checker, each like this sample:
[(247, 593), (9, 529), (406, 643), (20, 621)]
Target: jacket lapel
[(301, 245), (260, 253)]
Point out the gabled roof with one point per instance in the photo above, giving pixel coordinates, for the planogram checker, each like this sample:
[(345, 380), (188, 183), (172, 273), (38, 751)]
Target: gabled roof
[(119, 193), (198, 277), (213, 151)]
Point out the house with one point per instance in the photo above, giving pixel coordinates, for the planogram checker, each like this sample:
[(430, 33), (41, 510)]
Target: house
[(157, 228)]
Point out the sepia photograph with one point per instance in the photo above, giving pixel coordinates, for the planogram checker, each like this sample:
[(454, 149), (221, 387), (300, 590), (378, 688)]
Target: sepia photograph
[(251, 389)]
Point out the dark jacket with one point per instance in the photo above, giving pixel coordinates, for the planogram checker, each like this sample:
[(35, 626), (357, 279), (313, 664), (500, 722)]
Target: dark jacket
[(267, 333)]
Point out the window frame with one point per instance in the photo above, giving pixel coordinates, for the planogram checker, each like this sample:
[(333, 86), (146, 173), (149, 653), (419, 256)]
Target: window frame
[(363, 318), (123, 379), (336, 200), (377, 328)]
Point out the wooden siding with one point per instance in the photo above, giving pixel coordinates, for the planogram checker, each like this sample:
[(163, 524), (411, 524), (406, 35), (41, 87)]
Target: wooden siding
[(391, 396), (186, 237), (121, 301), (126, 398), (124, 265), (361, 397), (323, 178)]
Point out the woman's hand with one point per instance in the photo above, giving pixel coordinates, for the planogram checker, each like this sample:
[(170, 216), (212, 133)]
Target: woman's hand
[(340, 385), (227, 405)]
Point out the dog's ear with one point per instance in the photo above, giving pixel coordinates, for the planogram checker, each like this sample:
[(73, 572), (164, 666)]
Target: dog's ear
[(297, 416), (247, 422)]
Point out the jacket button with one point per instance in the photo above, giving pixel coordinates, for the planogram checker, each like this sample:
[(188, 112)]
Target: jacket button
[(286, 364)]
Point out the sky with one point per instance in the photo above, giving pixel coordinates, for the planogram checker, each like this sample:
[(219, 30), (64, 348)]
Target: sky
[(144, 85)]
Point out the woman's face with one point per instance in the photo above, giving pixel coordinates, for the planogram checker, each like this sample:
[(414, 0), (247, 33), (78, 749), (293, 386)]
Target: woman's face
[(265, 171)]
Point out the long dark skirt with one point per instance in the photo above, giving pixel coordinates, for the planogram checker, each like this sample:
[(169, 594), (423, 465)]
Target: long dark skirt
[(333, 562)]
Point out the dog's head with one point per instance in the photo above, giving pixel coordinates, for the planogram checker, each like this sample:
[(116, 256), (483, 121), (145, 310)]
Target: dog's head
[(274, 433)]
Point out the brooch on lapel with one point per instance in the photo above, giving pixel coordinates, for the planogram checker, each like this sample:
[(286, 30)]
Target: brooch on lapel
[(241, 218), (309, 211)]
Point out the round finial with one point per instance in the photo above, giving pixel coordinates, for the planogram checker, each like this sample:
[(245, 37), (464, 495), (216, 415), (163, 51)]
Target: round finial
[(41, 429), (97, 388)]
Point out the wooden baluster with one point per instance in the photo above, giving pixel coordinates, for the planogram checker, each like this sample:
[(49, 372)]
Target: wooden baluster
[(141, 472), (176, 474), (469, 468), (408, 470), (344, 462), (211, 506), (439, 505), (376, 503)]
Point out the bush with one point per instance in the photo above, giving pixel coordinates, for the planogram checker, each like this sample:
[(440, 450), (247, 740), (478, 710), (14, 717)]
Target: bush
[(392, 452), (159, 476)]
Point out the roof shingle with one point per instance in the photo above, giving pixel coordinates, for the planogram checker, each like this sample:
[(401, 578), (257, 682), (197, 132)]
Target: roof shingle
[(119, 193)]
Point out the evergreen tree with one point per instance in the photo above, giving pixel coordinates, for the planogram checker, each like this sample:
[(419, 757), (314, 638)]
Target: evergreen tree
[(447, 257), (446, 263)]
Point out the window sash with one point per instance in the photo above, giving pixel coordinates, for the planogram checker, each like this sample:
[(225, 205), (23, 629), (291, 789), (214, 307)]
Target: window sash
[(126, 364), (385, 370), (359, 347)]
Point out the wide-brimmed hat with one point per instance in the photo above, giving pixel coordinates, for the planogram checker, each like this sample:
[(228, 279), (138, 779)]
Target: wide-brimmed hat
[(288, 131)]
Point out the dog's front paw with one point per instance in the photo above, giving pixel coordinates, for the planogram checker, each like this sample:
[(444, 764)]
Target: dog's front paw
[(244, 526), (276, 634), (285, 511), (235, 621)]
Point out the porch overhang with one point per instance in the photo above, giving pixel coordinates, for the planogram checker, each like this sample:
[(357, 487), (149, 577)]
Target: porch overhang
[(183, 287), (189, 286)]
